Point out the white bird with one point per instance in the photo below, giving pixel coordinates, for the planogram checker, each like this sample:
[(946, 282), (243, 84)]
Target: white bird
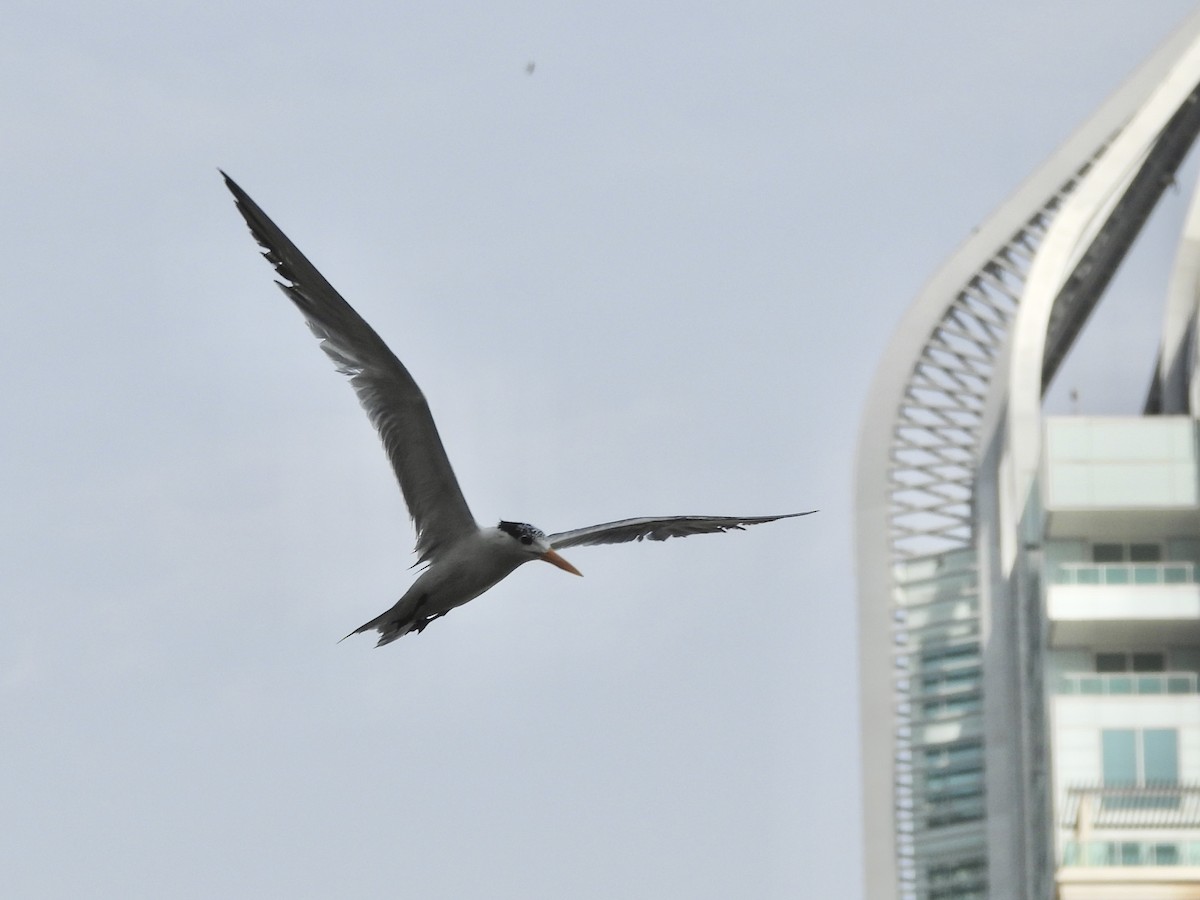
[(463, 559)]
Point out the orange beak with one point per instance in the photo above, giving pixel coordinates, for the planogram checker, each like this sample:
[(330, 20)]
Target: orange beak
[(555, 560)]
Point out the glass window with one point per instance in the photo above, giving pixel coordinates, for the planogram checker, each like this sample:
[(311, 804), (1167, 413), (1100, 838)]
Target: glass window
[(1112, 662), (1119, 752), (1166, 854), (1145, 553), (1140, 758), (1108, 553), (1185, 659), (1160, 749), (1149, 662), (1120, 685), (1146, 575), (1116, 575), (1101, 853), (959, 756), (1179, 684), (1150, 684), (1177, 574)]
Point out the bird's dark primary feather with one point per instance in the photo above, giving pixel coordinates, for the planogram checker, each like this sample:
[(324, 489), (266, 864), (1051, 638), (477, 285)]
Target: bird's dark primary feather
[(394, 403), (658, 529)]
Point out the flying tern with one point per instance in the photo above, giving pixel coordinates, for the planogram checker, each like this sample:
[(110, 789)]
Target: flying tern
[(463, 559)]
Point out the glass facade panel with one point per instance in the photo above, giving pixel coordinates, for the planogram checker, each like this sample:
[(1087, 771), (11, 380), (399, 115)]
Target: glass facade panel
[(950, 682), (1145, 553), (1116, 575), (1125, 573), (1130, 853), (1120, 464), (1179, 574), (1185, 659), (1180, 684), (1151, 685), (961, 881), (1065, 439), (1160, 756), (1149, 662), (1145, 575), (1181, 549), (1087, 684), (1120, 685), (1119, 753), (938, 788), (1166, 854)]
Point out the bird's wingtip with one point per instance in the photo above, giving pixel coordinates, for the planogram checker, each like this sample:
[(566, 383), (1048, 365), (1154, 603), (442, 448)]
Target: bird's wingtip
[(234, 188)]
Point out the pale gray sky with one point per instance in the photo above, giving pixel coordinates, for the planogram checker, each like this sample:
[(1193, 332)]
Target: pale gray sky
[(653, 277)]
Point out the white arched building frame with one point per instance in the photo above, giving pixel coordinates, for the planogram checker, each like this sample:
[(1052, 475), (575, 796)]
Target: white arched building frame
[(949, 452)]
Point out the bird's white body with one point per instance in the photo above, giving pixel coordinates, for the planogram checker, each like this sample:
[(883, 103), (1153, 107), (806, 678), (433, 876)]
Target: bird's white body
[(463, 559), (462, 572)]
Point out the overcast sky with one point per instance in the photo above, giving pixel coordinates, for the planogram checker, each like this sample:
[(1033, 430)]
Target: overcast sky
[(651, 277)]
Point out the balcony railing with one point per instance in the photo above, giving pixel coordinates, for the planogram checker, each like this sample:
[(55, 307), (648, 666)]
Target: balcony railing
[(1131, 853), (1092, 684), (1152, 806), (1125, 573)]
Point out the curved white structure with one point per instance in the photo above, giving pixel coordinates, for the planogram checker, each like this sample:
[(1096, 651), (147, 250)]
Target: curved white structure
[(950, 525)]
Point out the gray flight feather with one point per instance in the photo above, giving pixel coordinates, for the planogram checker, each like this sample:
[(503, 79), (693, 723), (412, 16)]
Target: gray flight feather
[(657, 529), (394, 403)]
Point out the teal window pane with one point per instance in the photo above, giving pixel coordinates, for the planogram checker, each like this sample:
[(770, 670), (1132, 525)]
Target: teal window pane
[(1146, 575), (1179, 684), (1160, 748), (1149, 684), (1118, 750), (1090, 575), (1166, 854), (1116, 575), (1091, 685), (1175, 574), (1120, 684), (1101, 853)]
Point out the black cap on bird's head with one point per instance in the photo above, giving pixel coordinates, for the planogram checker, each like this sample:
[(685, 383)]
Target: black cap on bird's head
[(521, 531), (535, 539)]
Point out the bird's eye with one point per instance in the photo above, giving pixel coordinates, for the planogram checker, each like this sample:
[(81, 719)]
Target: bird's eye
[(526, 539)]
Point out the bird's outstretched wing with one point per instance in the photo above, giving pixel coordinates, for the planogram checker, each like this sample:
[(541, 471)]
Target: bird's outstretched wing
[(393, 401), (657, 529)]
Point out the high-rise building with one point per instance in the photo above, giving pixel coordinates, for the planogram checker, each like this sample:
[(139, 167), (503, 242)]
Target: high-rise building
[(1029, 586)]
